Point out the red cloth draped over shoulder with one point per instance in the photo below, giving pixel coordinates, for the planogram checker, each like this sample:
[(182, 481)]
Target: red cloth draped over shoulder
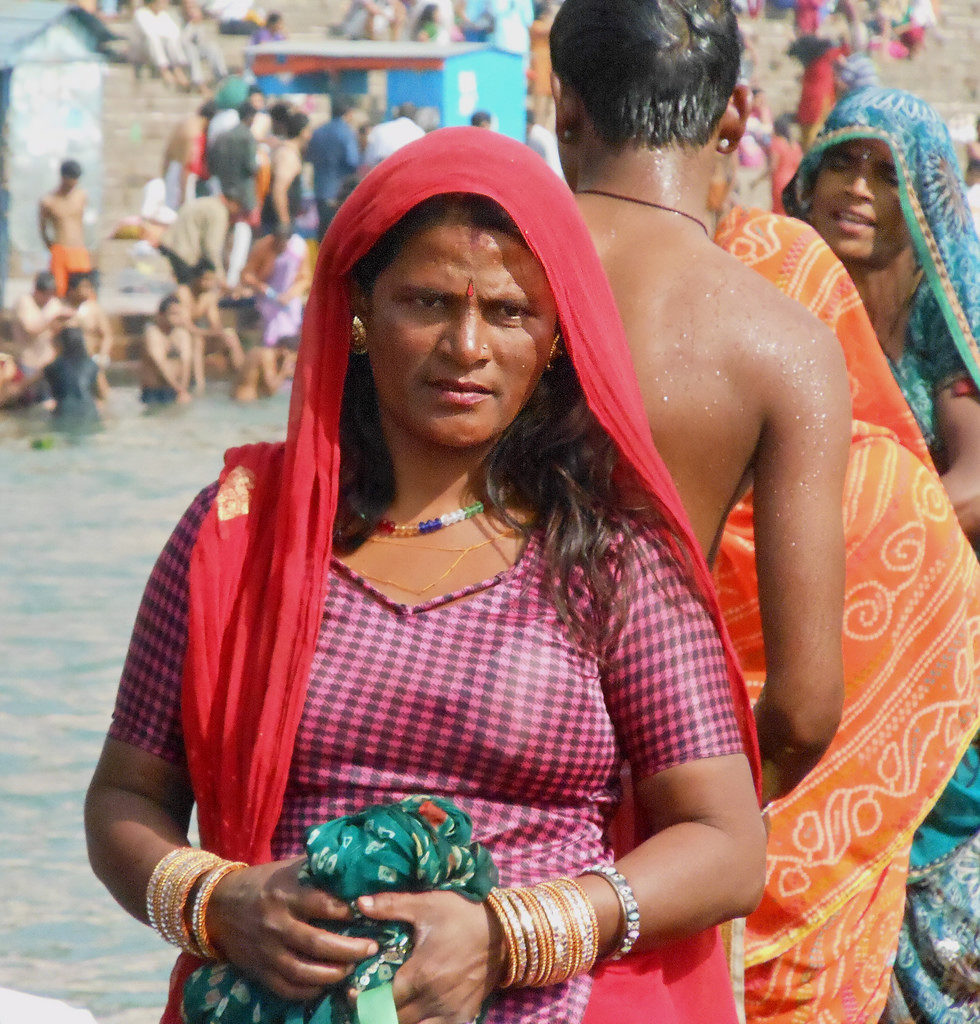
[(258, 580)]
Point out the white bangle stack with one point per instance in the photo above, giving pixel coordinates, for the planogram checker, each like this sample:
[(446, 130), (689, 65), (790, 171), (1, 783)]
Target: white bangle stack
[(627, 902)]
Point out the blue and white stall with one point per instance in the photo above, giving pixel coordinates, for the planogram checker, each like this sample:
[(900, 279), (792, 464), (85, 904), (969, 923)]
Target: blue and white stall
[(457, 79)]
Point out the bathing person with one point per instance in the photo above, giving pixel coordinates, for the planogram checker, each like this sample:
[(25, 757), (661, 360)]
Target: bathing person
[(78, 385), (90, 316), (199, 297), (740, 384), (278, 272), (265, 371), (38, 315), (461, 364), (169, 361)]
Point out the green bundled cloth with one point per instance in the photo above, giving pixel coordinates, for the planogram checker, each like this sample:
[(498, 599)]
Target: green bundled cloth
[(420, 844)]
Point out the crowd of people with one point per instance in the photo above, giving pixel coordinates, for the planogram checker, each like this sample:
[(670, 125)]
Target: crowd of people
[(246, 189), (660, 561)]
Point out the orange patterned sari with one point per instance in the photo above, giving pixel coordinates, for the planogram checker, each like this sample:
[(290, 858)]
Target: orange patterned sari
[(819, 948)]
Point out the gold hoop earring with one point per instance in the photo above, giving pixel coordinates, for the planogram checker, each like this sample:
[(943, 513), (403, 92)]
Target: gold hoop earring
[(557, 349), (358, 337)]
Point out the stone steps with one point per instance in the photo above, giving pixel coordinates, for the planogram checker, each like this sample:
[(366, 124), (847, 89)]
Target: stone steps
[(139, 113)]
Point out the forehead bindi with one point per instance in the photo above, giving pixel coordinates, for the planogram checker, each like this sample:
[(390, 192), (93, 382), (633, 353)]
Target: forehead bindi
[(866, 151)]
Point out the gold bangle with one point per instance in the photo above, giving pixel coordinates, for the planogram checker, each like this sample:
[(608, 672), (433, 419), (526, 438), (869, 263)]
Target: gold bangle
[(512, 965), (199, 929), (559, 927), (589, 921), (178, 893), (565, 952), (574, 927), (527, 938), (168, 890), (545, 937), (168, 884), (153, 885)]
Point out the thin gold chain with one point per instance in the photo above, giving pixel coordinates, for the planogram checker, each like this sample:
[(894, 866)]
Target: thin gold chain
[(462, 553)]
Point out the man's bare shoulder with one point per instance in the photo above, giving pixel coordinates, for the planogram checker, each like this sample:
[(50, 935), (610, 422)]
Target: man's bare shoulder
[(754, 325)]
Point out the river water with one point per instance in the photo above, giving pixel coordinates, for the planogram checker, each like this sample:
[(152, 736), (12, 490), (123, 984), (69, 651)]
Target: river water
[(81, 523)]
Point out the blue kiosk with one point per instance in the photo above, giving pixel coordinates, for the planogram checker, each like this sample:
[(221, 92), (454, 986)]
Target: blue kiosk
[(457, 78)]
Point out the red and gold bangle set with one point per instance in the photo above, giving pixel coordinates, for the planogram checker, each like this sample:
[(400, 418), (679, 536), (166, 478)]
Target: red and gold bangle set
[(550, 930), (168, 897)]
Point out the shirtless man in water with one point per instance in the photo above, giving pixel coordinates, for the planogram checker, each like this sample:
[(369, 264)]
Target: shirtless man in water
[(199, 298), (60, 220), (167, 364), (742, 386)]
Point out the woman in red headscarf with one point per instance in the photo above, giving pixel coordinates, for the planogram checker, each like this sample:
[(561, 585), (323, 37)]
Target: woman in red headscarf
[(467, 573)]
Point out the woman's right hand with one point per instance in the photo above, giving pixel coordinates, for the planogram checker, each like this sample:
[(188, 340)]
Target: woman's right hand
[(260, 918)]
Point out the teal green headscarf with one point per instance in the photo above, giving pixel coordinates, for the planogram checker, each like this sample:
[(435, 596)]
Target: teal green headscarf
[(944, 323), (418, 845)]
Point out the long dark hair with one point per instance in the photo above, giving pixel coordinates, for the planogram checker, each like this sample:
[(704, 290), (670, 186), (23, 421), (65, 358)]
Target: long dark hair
[(554, 459), (72, 343)]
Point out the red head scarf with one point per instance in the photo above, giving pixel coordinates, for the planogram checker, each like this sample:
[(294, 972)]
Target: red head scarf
[(258, 580)]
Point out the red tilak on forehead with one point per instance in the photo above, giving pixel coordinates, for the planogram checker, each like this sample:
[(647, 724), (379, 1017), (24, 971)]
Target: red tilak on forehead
[(470, 291)]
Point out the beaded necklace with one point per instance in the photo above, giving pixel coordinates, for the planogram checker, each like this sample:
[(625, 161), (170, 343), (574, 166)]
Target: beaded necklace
[(386, 526)]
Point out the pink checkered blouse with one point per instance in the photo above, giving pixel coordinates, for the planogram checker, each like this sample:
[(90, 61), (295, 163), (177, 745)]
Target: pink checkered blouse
[(482, 696)]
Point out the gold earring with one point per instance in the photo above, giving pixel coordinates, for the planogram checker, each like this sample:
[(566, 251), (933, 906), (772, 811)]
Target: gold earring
[(557, 349), (358, 337)]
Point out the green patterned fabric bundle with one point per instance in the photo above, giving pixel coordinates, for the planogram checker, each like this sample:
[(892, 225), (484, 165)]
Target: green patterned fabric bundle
[(420, 844)]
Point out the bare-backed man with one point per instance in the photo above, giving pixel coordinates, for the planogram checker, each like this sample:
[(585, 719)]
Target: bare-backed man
[(742, 387)]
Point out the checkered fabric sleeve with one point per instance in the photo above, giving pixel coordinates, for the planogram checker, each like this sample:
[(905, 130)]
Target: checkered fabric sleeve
[(665, 678), (147, 711)]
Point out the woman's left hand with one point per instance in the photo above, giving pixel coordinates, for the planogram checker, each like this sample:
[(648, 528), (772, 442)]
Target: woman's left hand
[(456, 960)]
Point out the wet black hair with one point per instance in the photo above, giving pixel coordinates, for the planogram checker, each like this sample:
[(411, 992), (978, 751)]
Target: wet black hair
[(554, 462), (279, 113), (76, 277), (44, 282), (167, 301), (481, 119), (71, 341), (651, 73), (340, 104), (71, 169), (293, 123), (202, 267)]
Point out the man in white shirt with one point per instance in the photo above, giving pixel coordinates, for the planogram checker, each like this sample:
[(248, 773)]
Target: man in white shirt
[(156, 40), (389, 136)]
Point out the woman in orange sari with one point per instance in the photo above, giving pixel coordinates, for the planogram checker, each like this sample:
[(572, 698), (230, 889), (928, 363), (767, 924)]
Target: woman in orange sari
[(819, 949)]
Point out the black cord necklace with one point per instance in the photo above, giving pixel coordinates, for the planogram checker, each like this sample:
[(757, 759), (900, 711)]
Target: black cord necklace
[(643, 202)]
